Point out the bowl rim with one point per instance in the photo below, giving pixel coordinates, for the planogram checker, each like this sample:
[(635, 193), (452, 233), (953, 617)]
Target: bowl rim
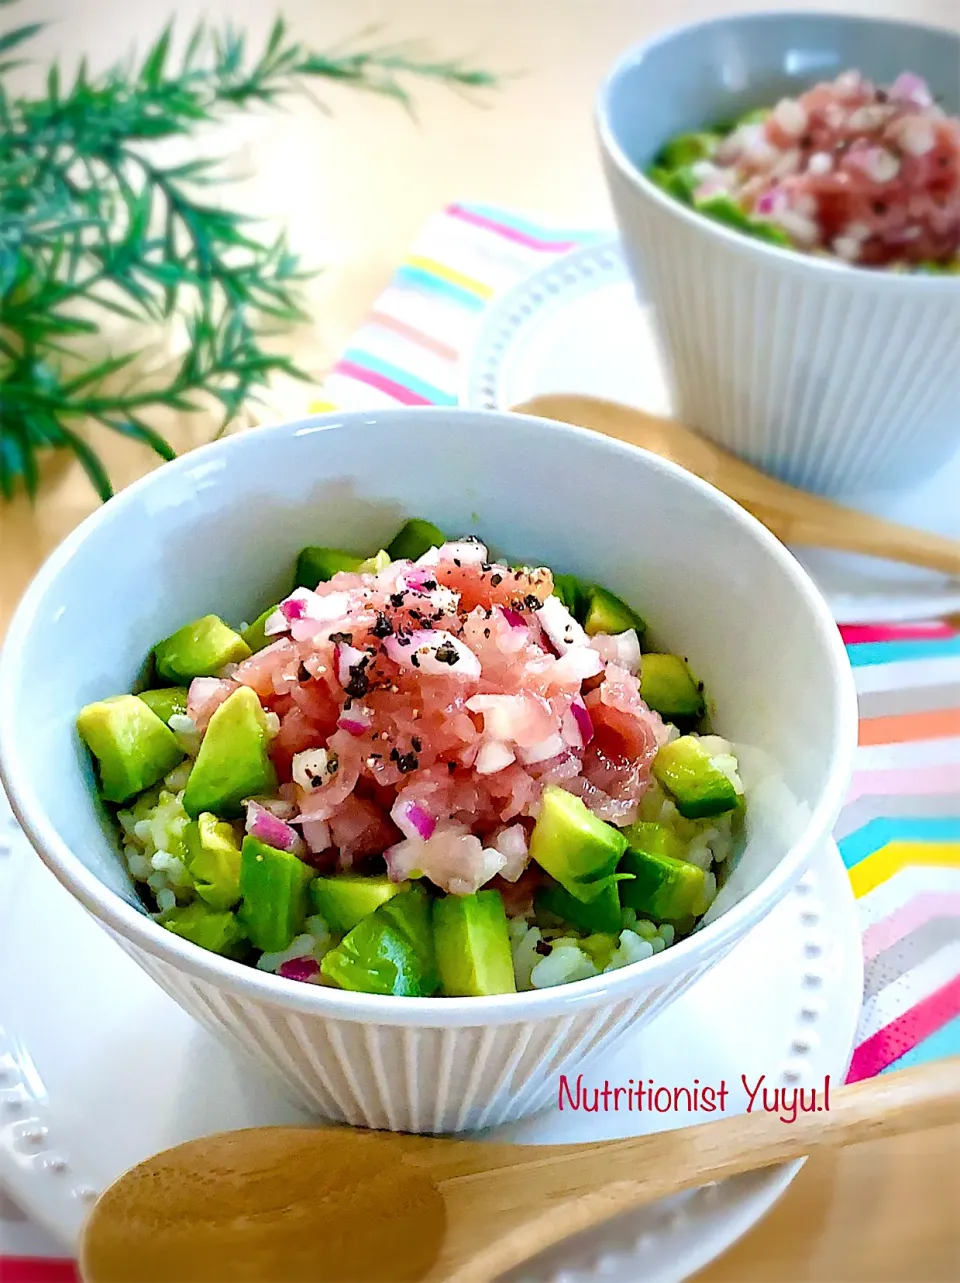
[(245, 981), (832, 269)]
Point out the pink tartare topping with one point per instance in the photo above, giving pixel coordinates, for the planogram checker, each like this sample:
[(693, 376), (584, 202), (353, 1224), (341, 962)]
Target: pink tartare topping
[(422, 711), (868, 174)]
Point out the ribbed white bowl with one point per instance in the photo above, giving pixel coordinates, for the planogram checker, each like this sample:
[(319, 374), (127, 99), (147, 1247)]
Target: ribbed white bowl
[(218, 529), (833, 378), (416, 1078)]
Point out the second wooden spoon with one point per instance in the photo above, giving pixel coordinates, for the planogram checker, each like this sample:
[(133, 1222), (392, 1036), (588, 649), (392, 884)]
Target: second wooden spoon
[(794, 516)]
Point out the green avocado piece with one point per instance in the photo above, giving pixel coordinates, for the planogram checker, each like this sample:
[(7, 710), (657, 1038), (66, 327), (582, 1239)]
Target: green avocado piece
[(601, 914), (679, 183), (662, 888), (273, 885), (134, 748), (608, 613), (574, 594), (375, 958), (213, 859), (414, 539), (317, 565), (344, 900), (410, 913), (202, 925), (654, 839), (199, 649), (572, 845), (166, 702), (688, 774), (473, 945), (254, 635), (686, 149), (667, 686), (724, 210), (232, 764)]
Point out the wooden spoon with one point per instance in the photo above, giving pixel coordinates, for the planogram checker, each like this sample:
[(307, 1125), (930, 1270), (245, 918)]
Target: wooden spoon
[(325, 1205), (793, 515)]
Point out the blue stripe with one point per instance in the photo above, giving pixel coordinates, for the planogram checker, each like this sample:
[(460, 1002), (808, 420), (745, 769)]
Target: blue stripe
[(537, 230), (407, 380), (871, 837), (417, 278), (945, 1042), (864, 653)]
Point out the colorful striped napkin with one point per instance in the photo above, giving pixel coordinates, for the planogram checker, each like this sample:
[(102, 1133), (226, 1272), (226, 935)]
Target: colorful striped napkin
[(899, 832)]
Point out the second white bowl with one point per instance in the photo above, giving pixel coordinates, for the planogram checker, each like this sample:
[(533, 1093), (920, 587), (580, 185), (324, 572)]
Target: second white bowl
[(836, 379)]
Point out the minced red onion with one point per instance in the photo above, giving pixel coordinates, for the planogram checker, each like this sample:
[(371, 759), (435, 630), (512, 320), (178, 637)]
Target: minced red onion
[(424, 645), (347, 657), (493, 756), (909, 87), (559, 625), (513, 617), (269, 828), (584, 721), (542, 752), (469, 552), (316, 834), (356, 720), (413, 820), (299, 969)]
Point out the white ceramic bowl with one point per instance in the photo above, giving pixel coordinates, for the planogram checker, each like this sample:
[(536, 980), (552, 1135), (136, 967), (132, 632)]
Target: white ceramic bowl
[(218, 530), (835, 378)]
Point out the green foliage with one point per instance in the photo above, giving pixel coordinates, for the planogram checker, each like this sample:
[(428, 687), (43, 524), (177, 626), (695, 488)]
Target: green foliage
[(91, 221)]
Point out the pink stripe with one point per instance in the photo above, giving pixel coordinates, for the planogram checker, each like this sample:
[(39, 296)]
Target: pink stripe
[(915, 913), (37, 1269), (906, 1032), (922, 631), (399, 393), (911, 780), (508, 233)]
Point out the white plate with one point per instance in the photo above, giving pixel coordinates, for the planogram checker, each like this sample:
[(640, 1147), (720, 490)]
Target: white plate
[(99, 1069), (578, 326)]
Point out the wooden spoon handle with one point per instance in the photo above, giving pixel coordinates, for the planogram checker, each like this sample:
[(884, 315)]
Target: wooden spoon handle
[(631, 1173), (793, 515)]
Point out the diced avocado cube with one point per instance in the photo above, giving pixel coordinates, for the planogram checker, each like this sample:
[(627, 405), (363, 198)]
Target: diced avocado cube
[(662, 887), (410, 913), (686, 149), (232, 764), (601, 914), (199, 649), (607, 613), (166, 702), (375, 958), (317, 565), (347, 898), (724, 210), (654, 839), (574, 594), (200, 924), (213, 859), (134, 748), (389, 951), (667, 686), (697, 786), (273, 885), (473, 945), (414, 539), (254, 634), (572, 845), (679, 183)]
